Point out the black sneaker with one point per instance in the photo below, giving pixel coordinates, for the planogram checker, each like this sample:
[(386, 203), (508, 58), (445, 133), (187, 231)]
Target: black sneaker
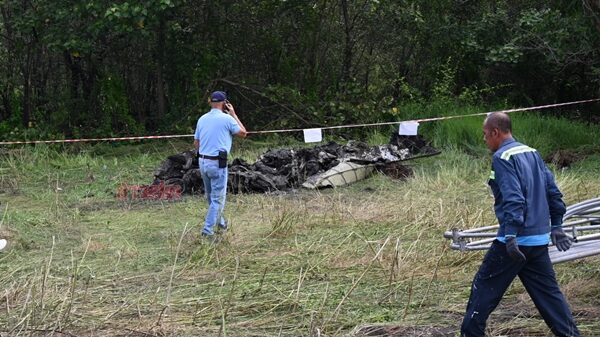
[(223, 226), (210, 238)]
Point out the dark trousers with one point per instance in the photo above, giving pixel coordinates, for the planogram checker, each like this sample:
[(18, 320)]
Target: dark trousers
[(498, 271)]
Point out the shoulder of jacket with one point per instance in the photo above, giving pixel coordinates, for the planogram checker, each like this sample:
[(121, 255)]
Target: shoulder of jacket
[(511, 150)]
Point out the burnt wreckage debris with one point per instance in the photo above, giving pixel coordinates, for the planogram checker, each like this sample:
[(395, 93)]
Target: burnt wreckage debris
[(283, 169)]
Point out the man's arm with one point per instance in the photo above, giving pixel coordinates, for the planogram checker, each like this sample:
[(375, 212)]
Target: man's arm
[(555, 202), (513, 205), (231, 111), (513, 201), (557, 211), (197, 137)]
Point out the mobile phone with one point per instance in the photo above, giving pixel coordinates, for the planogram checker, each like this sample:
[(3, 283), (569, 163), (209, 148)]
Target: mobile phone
[(225, 108)]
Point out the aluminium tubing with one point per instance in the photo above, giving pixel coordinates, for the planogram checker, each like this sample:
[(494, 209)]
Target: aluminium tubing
[(589, 206), (576, 252), (582, 206), (482, 234), (585, 212)]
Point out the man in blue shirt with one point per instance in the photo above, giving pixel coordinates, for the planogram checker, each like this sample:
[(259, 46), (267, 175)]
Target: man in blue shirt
[(212, 140), (530, 209)]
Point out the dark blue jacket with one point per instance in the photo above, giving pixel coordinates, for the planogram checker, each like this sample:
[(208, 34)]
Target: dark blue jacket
[(527, 200)]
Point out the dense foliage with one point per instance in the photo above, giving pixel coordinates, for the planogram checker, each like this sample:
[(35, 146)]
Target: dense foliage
[(90, 68)]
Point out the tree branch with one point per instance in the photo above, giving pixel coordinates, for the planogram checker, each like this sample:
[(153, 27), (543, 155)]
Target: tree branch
[(264, 96)]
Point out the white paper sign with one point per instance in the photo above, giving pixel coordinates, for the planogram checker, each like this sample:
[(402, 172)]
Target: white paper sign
[(408, 128), (313, 135)]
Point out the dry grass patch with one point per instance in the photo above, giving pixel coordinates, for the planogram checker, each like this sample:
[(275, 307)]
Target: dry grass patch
[(306, 263)]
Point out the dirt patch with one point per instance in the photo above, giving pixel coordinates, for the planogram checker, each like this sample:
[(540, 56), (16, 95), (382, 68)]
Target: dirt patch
[(402, 331), (94, 246), (158, 191), (9, 235), (519, 332), (9, 185), (155, 331), (397, 171), (564, 158)]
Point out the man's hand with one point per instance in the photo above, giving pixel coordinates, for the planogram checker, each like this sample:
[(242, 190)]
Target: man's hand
[(560, 239), (512, 249), (230, 110)]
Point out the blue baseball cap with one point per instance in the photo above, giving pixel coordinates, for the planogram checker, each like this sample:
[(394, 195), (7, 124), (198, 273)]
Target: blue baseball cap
[(218, 96)]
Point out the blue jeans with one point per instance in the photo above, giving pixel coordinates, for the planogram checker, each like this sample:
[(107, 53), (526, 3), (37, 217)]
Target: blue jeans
[(215, 190), (498, 271)]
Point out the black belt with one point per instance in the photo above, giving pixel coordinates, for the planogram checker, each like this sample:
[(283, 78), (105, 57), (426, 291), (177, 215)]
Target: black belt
[(203, 156)]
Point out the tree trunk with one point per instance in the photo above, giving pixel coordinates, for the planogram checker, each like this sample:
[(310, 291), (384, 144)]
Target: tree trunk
[(347, 57), (8, 42), (160, 83), (593, 8), (368, 70), (27, 89), (89, 81), (6, 111), (74, 74)]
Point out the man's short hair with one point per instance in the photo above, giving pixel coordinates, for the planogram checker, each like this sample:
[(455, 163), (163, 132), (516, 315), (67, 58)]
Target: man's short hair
[(500, 121)]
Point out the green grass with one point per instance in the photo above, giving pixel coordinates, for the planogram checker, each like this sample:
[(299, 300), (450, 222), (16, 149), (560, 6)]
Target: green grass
[(536, 129), (298, 264)]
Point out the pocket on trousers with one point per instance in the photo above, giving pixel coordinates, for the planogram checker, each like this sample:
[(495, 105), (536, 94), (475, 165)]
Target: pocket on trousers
[(494, 260), (210, 168)]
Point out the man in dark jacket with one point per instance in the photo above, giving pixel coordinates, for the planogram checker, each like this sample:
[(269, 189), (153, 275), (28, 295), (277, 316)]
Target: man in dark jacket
[(530, 209)]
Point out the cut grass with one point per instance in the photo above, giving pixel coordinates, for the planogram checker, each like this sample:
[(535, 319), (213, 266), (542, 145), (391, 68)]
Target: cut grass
[(298, 264)]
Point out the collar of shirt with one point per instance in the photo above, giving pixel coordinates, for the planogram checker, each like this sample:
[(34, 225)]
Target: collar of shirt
[(506, 142), (215, 111)]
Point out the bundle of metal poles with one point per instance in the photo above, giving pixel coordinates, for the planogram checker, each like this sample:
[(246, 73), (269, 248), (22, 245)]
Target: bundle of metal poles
[(581, 222)]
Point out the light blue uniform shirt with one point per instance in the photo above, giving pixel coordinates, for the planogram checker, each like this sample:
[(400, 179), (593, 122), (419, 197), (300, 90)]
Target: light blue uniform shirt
[(214, 131)]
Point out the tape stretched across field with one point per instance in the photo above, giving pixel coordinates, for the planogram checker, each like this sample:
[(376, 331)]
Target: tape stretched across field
[(583, 217), (347, 126)]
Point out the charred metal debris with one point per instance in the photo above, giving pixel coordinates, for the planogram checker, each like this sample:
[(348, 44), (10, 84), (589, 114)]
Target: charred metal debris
[(315, 167)]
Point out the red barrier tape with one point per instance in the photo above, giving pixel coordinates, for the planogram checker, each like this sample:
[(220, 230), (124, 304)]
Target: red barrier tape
[(113, 139)]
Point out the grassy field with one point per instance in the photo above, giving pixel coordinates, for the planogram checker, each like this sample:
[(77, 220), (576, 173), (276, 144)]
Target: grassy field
[(304, 263)]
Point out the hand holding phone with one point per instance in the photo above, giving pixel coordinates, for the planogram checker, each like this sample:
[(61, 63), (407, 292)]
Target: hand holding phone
[(225, 106), (228, 108)]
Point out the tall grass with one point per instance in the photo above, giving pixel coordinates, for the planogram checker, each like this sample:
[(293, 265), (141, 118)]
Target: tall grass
[(536, 129), (305, 263), (549, 134)]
